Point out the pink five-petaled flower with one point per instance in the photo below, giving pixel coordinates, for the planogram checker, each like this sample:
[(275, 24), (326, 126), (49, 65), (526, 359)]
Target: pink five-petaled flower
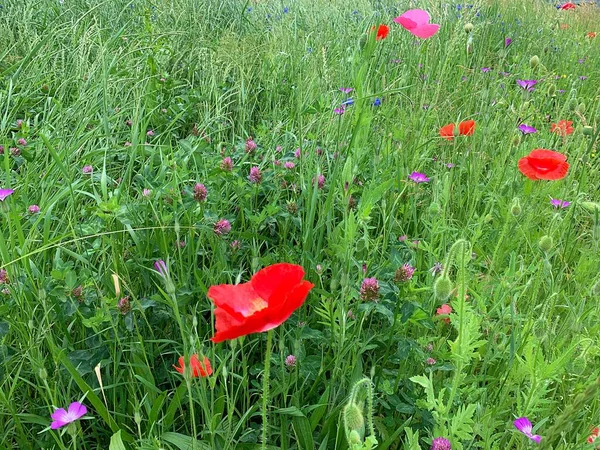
[(559, 203), (418, 177), (61, 417), (524, 426), (416, 21), (5, 193)]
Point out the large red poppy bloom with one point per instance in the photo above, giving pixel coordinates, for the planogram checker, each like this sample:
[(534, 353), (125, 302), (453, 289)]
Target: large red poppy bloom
[(261, 304), (563, 127), (382, 31), (543, 164), (466, 128), (568, 5), (199, 369)]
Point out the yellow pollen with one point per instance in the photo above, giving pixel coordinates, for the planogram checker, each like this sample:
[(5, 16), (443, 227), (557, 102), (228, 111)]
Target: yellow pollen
[(256, 305)]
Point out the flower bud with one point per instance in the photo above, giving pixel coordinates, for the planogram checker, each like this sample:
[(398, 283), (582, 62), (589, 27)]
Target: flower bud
[(534, 61), (515, 208), (435, 208), (517, 140), (468, 27), (353, 418), (546, 243), (43, 374), (573, 104), (551, 90), (442, 288), (588, 131), (580, 108)]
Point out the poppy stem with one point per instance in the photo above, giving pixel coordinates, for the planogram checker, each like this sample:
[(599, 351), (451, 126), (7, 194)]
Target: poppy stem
[(265, 399)]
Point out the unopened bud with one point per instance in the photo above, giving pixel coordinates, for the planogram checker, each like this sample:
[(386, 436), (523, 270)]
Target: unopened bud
[(353, 418), (580, 108), (588, 131), (517, 140), (515, 208), (534, 61), (435, 208), (551, 90), (468, 27), (137, 417), (43, 374), (442, 288), (546, 243), (573, 104)]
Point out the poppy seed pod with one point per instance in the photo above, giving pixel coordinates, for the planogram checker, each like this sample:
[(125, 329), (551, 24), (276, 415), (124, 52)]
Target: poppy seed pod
[(588, 131), (515, 208), (534, 61), (442, 288), (546, 243), (468, 27)]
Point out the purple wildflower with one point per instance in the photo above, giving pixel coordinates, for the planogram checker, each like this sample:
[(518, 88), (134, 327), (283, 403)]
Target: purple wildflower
[(297, 153), (5, 193), (524, 426), (200, 192), (87, 169), (255, 175), (61, 417), (418, 177), (430, 361), (4, 277), (404, 273), (441, 443), (150, 133), (222, 227), (485, 69), (146, 192), (346, 90), (507, 42), (227, 164), (290, 361), (161, 268), (320, 181), (236, 245), (528, 85), (22, 142), (559, 203), (437, 268), (34, 209), (583, 78), (526, 129), (369, 289), (250, 145), (124, 306), (289, 165), (450, 165), (339, 111)]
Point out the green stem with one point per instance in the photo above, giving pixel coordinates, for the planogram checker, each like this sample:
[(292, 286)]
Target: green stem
[(265, 399)]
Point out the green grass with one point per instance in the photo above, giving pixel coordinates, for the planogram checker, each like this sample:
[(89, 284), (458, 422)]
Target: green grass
[(206, 76)]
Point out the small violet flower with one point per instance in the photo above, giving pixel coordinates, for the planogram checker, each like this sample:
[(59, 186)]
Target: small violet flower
[(418, 177), (528, 85), (524, 426), (62, 417), (526, 129), (441, 443), (222, 227), (559, 203), (34, 209)]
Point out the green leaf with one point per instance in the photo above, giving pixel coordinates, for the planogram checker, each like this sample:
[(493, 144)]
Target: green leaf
[(116, 443), (303, 432), (183, 442)]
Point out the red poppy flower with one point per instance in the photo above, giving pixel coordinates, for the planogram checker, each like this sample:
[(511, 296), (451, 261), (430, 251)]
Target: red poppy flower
[(567, 5), (199, 369), (382, 31), (595, 435), (543, 164), (261, 304), (591, 34), (466, 128), (563, 127)]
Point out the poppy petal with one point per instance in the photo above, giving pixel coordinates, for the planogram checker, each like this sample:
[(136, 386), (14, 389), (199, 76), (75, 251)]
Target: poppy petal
[(466, 128), (294, 299), (268, 281), (417, 16), (425, 31), (239, 300), (447, 131), (406, 22), (540, 153), (556, 174), (526, 169)]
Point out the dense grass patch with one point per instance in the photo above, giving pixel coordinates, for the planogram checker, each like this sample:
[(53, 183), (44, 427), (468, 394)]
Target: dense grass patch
[(226, 136)]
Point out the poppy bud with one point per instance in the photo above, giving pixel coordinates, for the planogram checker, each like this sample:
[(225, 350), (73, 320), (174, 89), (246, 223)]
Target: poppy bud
[(442, 288), (573, 104), (546, 243), (488, 218), (551, 90), (468, 27), (515, 209), (435, 208), (596, 289), (534, 61), (588, 131), (137, 417), (43, 374), (353, 419), (354, 438), (333, 286), (580, 108), (517, 140)]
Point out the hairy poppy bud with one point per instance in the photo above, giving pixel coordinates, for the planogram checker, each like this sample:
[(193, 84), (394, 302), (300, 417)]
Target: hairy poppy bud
[(435, 208), (596, 289), (588, 131), (468, 27), (534, 61), (43, 374), (551, 90), (517, 140), (353, 418), (573, 104), (580, 108), (515, 208), (442, 288), (546, 243)]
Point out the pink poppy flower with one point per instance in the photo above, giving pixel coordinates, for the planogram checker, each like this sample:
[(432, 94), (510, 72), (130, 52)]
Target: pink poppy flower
[(416, 21)]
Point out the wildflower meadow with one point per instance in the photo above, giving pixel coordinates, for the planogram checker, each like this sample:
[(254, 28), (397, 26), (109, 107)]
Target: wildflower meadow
[(299, 225)]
